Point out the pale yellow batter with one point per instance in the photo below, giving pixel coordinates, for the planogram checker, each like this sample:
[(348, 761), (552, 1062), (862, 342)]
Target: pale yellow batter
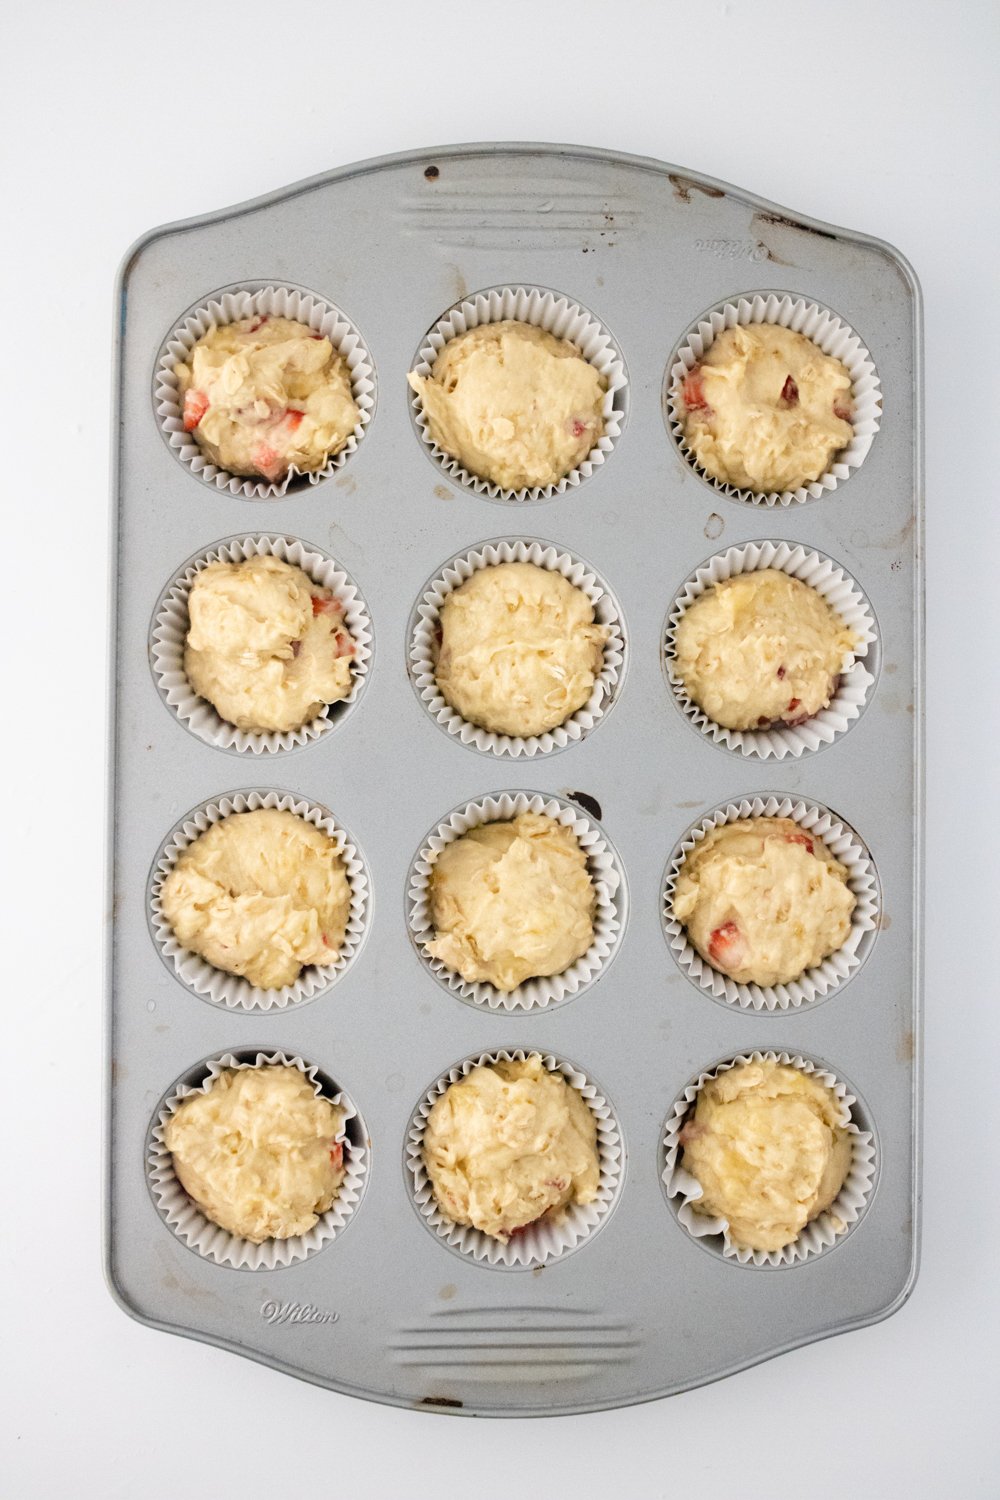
[(763, 900), (520, 651), (258, 1153), (766, 409), (266, 646), (766, 1144), (265, 395), (513, 404), (511, 901), (261, 894), (761, 649), (508, 1143)]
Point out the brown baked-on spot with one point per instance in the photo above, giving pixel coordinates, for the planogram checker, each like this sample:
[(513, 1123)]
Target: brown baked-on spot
[(432, 174), (439, 1401), (587, 802)]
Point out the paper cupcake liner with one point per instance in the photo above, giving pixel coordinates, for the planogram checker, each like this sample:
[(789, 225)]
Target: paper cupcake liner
[(836, 968), (168, 637), (247, 302), (548, 1238), (825, 1230), (844, 596), (183, 1216), (606, 873), (834, 337), (424, 633), (556, 315), (230, 990)]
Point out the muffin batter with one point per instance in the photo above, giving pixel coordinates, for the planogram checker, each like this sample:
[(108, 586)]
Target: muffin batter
[(265, 395), (767, 1145), (520, 651), (260, 894), (513, 404), (763, 900), (258, 1153), (508, 1143), (761, 649), (511, 901), (266, 646), (766, 409)]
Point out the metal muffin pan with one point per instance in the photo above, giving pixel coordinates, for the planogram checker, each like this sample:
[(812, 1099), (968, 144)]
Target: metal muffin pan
[(385, 1311)]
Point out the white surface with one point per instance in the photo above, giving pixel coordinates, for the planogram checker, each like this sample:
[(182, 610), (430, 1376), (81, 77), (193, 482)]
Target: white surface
[(117, 117)]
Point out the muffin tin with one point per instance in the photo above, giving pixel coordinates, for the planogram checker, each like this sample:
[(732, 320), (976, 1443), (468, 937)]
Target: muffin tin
[(384, 1309)]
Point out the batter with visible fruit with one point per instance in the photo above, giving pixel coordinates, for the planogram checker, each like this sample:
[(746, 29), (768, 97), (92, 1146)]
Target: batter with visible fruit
[(761, 650), (509, 1143), (763, 900), (266, 646), (511, 901), (520, 650), (266, 396), (260, 894), (259, 1152), (513, 404), (765, 409), (768, 1144)]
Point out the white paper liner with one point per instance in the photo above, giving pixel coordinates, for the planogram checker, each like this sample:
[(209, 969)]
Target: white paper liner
[(606, 874), (230, 990), (229, 307), (556, 315), (168, 638), (547, 1238), (837, 967), (823, 1231), (834, 337), (190, 1224), (844, 597), (424, 638)]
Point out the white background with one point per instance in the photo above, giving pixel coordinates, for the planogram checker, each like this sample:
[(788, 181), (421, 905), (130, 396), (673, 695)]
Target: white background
[(117, 117)]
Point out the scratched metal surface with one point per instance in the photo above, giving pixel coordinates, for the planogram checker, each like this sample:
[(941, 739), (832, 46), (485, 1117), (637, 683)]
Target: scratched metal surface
[(642, 1310)]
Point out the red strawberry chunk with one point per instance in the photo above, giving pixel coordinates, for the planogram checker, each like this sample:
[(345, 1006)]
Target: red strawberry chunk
[(344, 645), (337, 1156), (692, 392), (790, 392), (577, 426), (781, 672), (800, 838), (793, 704), (267, 460), (842, 408), (195, 407), (292, 418), (325, 606), (727, 946), (257, 323)]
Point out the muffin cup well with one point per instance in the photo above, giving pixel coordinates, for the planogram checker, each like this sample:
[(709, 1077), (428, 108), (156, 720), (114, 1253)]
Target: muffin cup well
[(837, 967), (605, 871), (831, 334), (424, 635), (548, 1238), (230, 990), (826, 1229), (557, 315), (229, 306), (845, 598), (182, 1215), (168, 638)]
